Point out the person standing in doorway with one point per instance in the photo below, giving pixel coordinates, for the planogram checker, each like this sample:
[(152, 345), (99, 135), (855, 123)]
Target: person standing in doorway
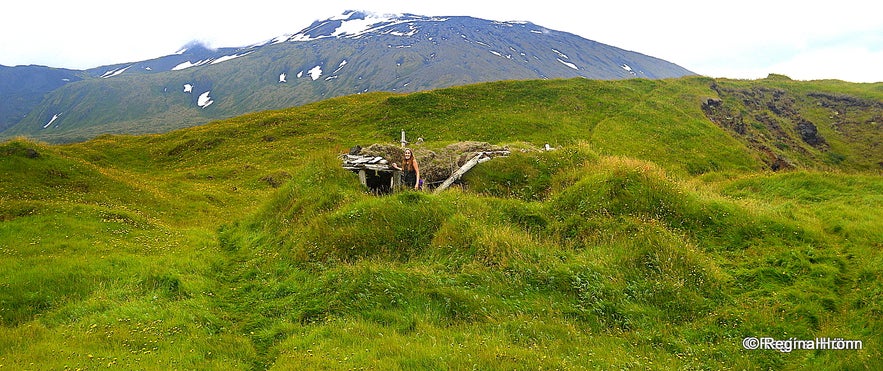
[(410, 170)]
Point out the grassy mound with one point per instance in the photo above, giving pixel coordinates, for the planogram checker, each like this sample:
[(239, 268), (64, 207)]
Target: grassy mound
[(618, 249)]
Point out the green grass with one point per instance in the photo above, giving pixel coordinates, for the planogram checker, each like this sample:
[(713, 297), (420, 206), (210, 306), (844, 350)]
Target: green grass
[(634, 245)]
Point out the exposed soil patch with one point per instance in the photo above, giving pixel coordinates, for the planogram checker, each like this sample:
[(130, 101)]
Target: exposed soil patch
[(784, 128), (768, 121)]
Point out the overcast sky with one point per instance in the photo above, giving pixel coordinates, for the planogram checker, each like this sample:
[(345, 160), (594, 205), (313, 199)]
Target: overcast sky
[(744, 39)]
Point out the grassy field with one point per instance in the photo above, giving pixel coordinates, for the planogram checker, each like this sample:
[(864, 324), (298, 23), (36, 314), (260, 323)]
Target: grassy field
[(650, 238)]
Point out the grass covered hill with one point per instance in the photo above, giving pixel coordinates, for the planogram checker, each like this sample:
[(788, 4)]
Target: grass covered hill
[(655, 236)]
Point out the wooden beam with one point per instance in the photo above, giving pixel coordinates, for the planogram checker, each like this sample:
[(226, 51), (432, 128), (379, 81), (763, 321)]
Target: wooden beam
[(395, 182), (479, 158)]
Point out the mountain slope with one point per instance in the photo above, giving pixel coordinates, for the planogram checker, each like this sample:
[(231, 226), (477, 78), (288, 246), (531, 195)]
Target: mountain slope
[(354, 53), (22, 88)]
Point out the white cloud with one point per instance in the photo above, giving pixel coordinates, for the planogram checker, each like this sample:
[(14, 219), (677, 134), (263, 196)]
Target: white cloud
[(844, 63)]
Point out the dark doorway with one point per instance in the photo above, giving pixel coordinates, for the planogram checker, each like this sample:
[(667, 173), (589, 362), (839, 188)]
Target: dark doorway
[(379, 182)]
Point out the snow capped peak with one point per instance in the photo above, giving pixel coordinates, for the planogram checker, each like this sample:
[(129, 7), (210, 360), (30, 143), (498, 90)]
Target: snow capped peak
[(359, 23), (353, 24), (351, 15)]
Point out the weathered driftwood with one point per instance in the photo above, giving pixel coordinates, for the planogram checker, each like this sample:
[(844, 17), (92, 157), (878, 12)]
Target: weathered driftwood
[(374, 172), (477, 159), (361, 162), (377, 167)]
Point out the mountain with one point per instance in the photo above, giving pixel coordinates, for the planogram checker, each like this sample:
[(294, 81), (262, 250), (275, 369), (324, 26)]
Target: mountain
[(353, 53), (22, 88)]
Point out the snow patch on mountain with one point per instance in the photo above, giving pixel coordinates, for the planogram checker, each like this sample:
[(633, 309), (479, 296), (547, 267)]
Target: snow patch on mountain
[(339, 67), (229, 57), (560, 54), (115, 72), (204, 100), (315, 72), (412, 30), (353, 24), (54, 117), (278, 39), (629, 69), (299, 37), (568, 64), (189, 64), (355, 27)]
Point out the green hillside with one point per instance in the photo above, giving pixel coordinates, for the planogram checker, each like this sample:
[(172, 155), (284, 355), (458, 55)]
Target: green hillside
[(655, 236)]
